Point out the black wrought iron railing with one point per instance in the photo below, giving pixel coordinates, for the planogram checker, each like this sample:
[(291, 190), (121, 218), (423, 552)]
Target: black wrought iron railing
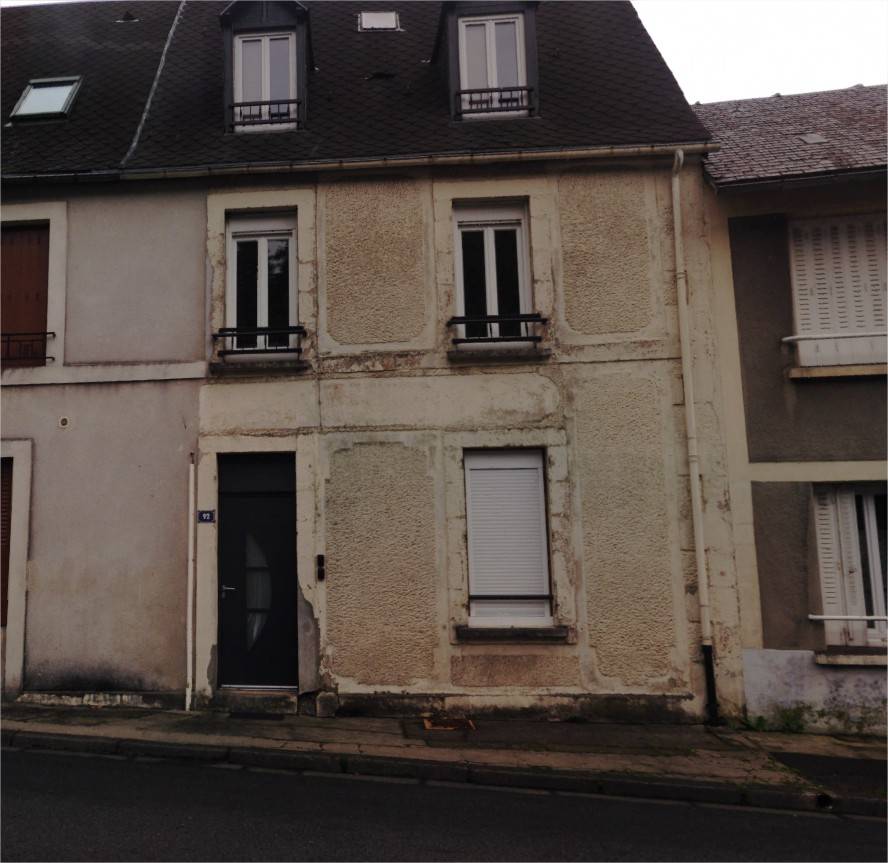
[(25, 349), (262, 340), (493, 100), (268, 113), (497, 328)]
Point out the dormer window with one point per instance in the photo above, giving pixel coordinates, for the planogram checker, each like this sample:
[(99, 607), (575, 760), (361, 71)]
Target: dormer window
[(267, 58), (265, 90), (46, 97), (492, 72)]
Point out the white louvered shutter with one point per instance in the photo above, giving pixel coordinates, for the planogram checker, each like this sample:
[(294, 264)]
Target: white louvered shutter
[(506, 514), (829, 559), (839, 288), (852, 569)]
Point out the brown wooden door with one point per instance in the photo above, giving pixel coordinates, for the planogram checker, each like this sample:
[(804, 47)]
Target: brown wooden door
[(5, 521), (23, 290)]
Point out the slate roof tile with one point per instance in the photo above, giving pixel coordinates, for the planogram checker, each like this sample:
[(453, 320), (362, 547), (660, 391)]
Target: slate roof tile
[(602, 82), (761, 139)]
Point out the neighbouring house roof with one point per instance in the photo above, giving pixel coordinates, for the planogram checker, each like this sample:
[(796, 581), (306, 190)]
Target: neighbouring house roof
[(602, 83), (800, 136)]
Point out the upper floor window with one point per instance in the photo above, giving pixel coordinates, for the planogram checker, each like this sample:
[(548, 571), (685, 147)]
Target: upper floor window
[(839, 290), (492, 67), (260, 295), (46, 97), (378, 21), (493, 298), (265, 81), (850, 526), (24, 291)]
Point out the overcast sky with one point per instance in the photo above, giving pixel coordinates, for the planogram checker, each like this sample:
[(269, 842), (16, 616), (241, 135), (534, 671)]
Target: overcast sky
[(737, 49)]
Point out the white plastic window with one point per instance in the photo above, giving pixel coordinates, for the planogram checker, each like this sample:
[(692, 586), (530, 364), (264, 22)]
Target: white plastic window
[(507, 538), (850, 525), (265, 81), (492, 68), (378, 21), (492, 271), (839, 290), (260, 302)]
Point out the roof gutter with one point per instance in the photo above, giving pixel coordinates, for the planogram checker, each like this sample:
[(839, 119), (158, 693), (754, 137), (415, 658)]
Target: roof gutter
[(430, 160), (799, 181)]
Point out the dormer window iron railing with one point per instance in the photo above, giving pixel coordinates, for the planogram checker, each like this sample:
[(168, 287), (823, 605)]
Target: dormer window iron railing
[(265, 113), (494, 100)]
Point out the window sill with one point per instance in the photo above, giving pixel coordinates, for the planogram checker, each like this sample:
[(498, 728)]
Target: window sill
[(805, 373), (505, 352), (238, 368), (511, 634), (873, 657)]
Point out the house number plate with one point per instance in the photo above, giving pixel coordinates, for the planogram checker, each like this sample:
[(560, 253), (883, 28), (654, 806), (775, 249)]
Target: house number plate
[(206, 516)]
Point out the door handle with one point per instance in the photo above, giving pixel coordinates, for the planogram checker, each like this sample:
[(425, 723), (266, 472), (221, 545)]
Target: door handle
[(225, 587)]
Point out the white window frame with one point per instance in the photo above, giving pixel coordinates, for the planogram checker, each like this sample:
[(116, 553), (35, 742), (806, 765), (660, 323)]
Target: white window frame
[(852, 337), (261, 228), (504, 459), (265, 38), (36, 83), (490, 22), (370, 21), (839, 555), (487, 218)]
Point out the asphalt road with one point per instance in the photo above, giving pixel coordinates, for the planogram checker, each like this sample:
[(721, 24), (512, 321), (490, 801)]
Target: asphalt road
[(67, 807)]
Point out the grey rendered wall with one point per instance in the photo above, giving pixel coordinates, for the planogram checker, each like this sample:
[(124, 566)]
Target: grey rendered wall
[(791, 420), (108, 536)]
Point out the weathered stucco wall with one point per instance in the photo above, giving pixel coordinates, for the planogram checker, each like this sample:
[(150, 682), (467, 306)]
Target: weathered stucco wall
[(107, 563), (374, 271), (622, 419), (606, 251), (381, 564), (136, 277)]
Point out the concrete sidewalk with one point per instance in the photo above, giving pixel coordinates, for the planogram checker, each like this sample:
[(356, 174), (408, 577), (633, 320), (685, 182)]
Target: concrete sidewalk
[(691, 762)]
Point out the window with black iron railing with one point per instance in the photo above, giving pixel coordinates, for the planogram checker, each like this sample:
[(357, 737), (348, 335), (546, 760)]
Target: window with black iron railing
[(494, 100), (25, 349), (271, 112), (497, 328), (268, 341)]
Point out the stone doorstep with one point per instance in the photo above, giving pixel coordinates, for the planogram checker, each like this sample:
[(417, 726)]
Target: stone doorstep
[(789, 797)]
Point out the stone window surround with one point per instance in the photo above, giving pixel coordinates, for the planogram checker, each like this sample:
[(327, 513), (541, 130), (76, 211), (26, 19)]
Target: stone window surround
[(20, 451)]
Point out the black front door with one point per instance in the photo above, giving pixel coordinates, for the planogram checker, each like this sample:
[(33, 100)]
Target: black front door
[(257, 570)]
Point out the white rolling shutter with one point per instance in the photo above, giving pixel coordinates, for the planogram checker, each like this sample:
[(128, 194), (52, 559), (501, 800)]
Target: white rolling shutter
[(829, 559), (508, 551), (839, 288)]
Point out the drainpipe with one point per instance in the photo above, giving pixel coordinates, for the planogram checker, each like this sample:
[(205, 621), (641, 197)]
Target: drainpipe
[(189, 621), (687, 373)]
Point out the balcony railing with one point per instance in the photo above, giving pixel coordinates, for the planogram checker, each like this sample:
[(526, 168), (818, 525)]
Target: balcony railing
[(497, 328), (25, 349), (493, 100), (273, 112), (263, 340)]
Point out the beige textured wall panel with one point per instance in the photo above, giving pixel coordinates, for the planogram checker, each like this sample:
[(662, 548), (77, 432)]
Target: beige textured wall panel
[(109, 524), (606, 252), (375, 261), (249, 406), (136, 278), (626, 543), (511, 670), (453, 401), (381, 564)]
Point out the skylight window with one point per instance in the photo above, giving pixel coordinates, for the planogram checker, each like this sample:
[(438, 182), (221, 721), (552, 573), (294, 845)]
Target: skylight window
[(378, 21), (47, 97)]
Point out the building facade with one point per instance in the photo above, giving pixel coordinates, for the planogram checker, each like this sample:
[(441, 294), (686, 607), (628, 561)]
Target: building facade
[(798, 238), (365, 350)]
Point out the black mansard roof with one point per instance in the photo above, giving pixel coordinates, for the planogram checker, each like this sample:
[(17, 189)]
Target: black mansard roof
[(602, 82)]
